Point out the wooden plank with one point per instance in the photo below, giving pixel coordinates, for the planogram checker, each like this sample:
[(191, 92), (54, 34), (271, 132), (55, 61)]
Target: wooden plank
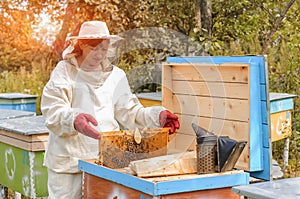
[(192, 176), (223, 193), (200, 183), (95, 187), (27, 138), (28, 146), (217, 126), (256, 114), (39, 146), (281, 105), (265, 174), (40, 137), (231, 109), (175, 164), (211, 72), (167, 87), (214, 89)]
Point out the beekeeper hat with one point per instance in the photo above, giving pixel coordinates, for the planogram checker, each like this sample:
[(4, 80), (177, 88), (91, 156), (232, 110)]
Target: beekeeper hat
[(94, 30), (90, 30)]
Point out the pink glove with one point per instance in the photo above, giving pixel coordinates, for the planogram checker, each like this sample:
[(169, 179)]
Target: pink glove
[(82, 125), (168, 119)]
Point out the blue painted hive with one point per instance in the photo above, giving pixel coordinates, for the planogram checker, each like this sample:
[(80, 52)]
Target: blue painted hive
[(18, 101), (225, 95)]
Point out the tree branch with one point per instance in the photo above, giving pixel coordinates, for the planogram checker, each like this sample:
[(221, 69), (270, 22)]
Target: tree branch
[(275, 27)]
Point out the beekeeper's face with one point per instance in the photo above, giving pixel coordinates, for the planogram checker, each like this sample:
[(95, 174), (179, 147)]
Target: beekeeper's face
[(94, 55)]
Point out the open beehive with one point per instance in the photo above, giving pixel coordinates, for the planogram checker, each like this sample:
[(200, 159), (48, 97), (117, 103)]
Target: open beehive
[(225, 95)]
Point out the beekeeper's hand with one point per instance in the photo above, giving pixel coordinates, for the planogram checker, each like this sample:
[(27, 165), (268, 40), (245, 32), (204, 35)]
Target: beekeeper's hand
[(82, 125), (168, 119)]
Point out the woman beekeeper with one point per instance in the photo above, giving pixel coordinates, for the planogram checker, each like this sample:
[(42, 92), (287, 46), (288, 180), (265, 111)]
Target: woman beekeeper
[(84, 96)]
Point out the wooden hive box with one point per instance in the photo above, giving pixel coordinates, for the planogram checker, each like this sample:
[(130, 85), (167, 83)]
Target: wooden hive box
[(18, 101), (281, 110), (28, 133), (224, 95), (23, 140), (150, 99), (118, 148)]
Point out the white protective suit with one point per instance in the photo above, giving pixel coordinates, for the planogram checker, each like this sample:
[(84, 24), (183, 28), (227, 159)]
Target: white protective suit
[(105, 95)]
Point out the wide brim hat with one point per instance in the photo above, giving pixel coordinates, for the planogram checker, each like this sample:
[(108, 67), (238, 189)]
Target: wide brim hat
[(94, 30), (91, 30)]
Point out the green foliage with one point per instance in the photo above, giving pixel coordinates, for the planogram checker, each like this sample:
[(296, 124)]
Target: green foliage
[(244, 33), (27, 81)]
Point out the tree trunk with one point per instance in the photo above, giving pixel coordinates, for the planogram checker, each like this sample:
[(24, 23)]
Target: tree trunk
[(59, 42), (203, 15), (206, 17), (198, 13)]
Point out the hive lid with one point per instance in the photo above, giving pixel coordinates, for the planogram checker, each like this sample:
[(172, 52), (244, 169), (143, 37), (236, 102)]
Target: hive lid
[(249, 73), (16, 96)]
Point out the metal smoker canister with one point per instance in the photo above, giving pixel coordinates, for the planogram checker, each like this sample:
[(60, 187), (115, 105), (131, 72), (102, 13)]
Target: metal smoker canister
[(206, 154)]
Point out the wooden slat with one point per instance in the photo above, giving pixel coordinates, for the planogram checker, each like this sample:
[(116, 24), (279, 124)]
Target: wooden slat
[(27, 138), (210, 72), (223, 193), (175, 164), (29, 146), (230, 109), (167, 85), (192, 176), (217, 126), (215, 89)]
